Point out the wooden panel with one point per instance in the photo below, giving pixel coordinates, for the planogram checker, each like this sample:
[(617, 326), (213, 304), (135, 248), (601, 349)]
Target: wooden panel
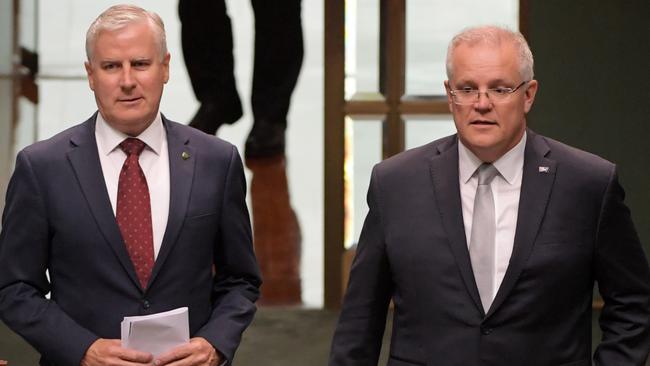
[(393, 71), (334, 150), (357, 108), (524, 10), (411, 106), (424, 105)]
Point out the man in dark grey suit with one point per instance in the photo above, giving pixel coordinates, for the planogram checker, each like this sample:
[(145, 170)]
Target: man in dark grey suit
[(131, 214), (489, 241)]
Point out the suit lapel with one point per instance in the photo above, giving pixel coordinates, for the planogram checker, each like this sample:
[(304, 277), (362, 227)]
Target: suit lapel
[(181, 174), (84, 158), (536, 185), (444, 173)]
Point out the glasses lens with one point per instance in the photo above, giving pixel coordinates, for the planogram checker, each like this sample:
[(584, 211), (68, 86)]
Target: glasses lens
[(472, 96), (466, 96), (498, 94)]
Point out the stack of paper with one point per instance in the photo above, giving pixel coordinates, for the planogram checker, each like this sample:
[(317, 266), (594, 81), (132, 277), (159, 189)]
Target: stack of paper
[(156, 333)]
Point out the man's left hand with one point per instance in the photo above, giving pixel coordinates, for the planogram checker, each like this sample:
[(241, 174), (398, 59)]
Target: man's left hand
[(199, 352)]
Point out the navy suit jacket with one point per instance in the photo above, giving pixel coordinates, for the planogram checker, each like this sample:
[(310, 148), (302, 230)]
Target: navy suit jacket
[(573, 229), (58, 217)]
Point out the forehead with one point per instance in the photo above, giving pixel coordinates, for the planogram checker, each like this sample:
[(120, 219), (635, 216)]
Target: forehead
[(132, 40), (485, 61)]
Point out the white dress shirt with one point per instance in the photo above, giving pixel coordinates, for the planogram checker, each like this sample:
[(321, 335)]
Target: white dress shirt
[(506, 187), (154, 161)]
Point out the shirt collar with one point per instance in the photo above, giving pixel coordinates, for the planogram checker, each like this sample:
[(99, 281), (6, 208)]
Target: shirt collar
[(111, 138), (509, 165)]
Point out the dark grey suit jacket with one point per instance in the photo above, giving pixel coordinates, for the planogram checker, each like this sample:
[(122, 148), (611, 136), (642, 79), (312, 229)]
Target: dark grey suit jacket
[(573, 229), (58, 217)]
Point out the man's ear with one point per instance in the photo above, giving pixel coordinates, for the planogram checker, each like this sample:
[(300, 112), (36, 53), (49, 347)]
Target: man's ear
[(450, 101), (89, 74), (165, 63), (529, 94)]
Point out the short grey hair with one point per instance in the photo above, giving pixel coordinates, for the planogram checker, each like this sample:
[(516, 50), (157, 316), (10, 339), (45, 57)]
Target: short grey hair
[(494, 35), (119, 16)]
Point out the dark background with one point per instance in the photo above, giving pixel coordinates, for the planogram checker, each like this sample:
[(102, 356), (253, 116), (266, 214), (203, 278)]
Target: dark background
[(592, 60)]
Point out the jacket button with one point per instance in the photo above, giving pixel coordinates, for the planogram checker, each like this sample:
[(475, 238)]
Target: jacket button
[(486, 330), (146, 304)]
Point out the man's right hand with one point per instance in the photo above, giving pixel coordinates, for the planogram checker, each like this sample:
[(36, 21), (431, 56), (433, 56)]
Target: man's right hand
[(110, 352)]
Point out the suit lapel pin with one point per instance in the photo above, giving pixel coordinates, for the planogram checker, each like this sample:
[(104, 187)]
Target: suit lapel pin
[(185, 155), (543, 169)]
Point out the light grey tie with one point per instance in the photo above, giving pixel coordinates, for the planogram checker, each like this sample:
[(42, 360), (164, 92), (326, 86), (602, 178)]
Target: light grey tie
[(481, 245)]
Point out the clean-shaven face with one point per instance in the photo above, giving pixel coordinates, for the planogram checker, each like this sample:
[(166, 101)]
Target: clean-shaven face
[(127, 76), (489, 129)]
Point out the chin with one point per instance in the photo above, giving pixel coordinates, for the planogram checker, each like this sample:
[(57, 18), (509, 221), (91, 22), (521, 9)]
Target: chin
[(134, 117), (129, 124), (482, 141)]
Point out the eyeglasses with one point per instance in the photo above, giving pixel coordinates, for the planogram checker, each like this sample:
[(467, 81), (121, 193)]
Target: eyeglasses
[(495, 95)]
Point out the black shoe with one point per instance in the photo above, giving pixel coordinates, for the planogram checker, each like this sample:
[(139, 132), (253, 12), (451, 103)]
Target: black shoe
[(266, 139), (209, 118)]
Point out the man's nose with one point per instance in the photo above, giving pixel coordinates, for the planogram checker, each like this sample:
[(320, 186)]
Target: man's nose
[(483, 101), (127, 81)]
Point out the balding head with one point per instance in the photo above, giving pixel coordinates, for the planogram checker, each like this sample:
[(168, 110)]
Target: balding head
[(493, 35)]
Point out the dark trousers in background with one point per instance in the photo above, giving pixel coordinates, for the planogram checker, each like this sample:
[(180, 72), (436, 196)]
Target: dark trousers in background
[(208, 52)]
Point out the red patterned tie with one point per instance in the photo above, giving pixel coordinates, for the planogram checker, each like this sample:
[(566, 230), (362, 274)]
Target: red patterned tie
[(134, 211)]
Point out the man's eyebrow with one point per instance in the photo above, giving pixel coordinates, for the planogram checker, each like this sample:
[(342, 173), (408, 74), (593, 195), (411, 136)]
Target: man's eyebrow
[(500, 81), (108, 62), (465, 82)]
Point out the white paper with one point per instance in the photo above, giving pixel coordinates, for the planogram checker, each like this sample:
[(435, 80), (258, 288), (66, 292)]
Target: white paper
[(156, 333)]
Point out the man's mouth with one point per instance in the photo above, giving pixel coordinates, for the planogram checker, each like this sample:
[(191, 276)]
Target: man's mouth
[(128, 100), (482, 123)]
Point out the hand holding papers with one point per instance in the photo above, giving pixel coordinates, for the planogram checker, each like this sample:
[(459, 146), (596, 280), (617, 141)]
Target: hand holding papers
[(156, 333)]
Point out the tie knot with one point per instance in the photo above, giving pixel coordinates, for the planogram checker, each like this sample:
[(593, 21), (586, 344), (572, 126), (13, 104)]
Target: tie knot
[(486, 172), (132, 146)]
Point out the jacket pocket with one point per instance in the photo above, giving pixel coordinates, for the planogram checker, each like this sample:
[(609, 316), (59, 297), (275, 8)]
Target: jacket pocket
[(200, 215), (585, 362), (399, 361)]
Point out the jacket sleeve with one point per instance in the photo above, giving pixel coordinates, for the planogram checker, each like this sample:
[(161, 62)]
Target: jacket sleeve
[(358, 336), (237, 281), (24, 257), (623, 277)]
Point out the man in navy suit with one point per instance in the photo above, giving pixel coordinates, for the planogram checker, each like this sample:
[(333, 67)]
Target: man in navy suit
[(489, 241), (130, 214)]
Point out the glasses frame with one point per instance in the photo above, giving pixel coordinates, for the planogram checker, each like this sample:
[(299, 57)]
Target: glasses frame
[(478, 93)]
